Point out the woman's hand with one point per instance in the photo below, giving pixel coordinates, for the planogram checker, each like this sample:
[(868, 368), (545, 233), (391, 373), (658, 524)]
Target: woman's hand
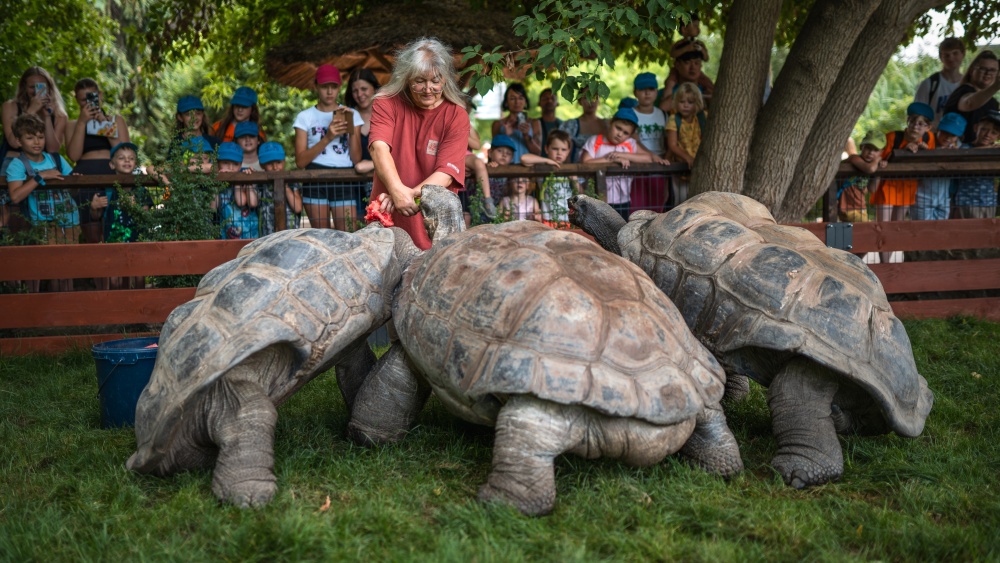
[(524, 128), (38, 103), (334, 130)]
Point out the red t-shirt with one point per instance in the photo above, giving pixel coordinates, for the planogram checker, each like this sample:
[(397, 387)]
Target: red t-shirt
[(422, 142)]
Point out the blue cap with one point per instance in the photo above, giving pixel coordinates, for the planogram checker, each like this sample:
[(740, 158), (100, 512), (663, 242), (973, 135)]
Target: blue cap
[(645, 80), (920, 108), (628, 103), (188, 103), (953, 123), (244, 96), (626, 114), (270, 152), (246, 128), (503, 141), (231, 152), (131, 146), (197, 144)]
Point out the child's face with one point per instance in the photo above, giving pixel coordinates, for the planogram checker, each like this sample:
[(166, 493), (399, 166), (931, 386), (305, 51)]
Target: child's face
[(241, 113), (520, 186), (327, 93), (274, 166), (501, 155), (124, 161), (987, 134), (228, 166), (32, 144), (620, 131), (558, 150), (686, 106), (192, 119), (249, 143), (946, 140), (952, 59), (646, 97), (917, 125), (199, 160), (869, 153)]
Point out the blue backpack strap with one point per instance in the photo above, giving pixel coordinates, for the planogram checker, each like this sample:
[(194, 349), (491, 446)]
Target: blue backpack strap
[(701, 120)]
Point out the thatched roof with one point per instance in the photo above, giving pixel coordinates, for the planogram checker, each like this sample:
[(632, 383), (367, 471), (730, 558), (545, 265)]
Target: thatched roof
[(369, 39)]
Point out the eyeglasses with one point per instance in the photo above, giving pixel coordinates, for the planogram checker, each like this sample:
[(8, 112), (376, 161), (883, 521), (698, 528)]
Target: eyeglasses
[(424, 86), (986, 71)]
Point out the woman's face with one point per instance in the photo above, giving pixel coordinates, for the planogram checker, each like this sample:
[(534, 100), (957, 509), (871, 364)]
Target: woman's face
[(33, 80), (363, 93), (985, 73), (515, 102), (241, 113), (81, 96), (589, 105), (426, 90)]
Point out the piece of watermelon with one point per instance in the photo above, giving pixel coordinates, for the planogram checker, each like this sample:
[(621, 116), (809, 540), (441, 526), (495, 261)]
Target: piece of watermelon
[(374, 213)]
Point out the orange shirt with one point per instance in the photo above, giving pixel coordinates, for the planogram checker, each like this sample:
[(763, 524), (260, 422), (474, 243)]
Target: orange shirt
[(230, 131), (898, 191)]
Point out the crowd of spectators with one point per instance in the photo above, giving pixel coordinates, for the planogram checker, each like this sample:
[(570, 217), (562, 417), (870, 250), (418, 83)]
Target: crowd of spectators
[(662, 123)]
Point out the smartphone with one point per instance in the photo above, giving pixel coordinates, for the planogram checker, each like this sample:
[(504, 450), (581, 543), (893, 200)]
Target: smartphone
[(521, 118), (41, 89), (345, 115)]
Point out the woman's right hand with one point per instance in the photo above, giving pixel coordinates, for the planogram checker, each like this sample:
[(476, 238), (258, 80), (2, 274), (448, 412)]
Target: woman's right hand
[(38, 103)]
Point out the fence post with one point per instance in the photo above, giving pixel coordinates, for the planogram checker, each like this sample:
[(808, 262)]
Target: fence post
[(830, 203), (278, 187)]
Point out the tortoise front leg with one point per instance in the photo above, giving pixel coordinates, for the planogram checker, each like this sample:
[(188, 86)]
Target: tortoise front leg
[(388, 401), (241, 420), (800, 399), (352, 372), (712, 445)]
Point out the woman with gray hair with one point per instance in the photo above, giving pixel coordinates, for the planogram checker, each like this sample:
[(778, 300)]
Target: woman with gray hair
[(419, 133)]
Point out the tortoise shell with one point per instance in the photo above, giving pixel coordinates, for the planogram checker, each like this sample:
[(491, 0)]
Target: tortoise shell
[(519, 308), (756, 293), (313, 293)]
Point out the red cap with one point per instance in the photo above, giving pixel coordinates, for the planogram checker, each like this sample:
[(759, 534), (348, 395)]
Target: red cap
[(326, 74)]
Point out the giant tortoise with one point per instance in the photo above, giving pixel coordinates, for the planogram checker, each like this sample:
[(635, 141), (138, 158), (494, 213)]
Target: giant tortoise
[(290, 306), (560, 345), (774, 303)]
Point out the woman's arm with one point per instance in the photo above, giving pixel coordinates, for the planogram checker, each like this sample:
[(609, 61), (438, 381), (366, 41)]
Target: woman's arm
[(55, 134), (9, 115), (354, 143), (533, 135), (74, 147), (401, 197), (976, 100)]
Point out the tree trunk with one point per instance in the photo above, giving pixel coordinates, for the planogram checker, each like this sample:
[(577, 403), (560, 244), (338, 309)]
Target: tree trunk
[(739, 93), (820, 157), (799, 93)]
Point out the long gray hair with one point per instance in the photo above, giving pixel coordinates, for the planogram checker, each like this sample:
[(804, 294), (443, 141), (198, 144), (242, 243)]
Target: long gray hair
[(417, 58)]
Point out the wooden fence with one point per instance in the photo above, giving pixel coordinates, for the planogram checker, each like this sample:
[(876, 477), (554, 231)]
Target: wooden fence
[(151, 306)]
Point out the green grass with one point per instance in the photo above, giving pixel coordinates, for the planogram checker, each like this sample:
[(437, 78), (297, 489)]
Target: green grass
[(65, 494)]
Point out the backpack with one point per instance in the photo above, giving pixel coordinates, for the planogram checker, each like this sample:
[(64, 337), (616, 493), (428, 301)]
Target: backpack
[(49, 205), (935, 82)]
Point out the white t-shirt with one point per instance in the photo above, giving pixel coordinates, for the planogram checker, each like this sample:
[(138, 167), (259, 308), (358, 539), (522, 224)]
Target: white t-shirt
[(315, 124), (941, 95), (650, 130), (619, 187)]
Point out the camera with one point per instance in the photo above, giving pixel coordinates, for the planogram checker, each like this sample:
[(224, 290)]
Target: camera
[(93, 99)]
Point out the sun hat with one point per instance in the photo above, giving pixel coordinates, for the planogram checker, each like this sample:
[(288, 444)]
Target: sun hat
[(503, 141), (626, 114), (244, 96), (131, 146), (628, 103), (270, 152), (188, 103), (874, 139), (246, 128), (921, 109), (326, 74), (231, 151), (197, 144), (952, 123), (687, 49), (645, 80)]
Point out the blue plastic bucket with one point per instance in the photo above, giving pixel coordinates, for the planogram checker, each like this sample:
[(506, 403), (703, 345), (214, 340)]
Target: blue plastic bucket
[(123, 370)]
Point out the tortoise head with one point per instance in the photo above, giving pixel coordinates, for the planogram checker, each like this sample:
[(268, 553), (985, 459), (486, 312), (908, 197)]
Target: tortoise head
[(597, 219), (442, 212)]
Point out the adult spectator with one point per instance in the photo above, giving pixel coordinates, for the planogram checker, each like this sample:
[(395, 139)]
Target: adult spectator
[(524, 131), (582, 128), (242, 108), (36, 93), (548, 102), (937, 88), (91, 138), (973, 99), (362, 85), (419, 133), (689, 56)]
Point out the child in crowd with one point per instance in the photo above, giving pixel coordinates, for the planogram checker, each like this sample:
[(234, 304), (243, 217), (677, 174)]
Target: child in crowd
[(520, 205), (649, 192), (272, 157), (976, 198), (895, 196), (618, 146), (501, 154), (119, 226), (237, 205), (933, 199), (190, 123), (247, 136), (852, 193), (328, 135), (26, 179), (684, 131), (938, 87), (555, 189), (242, 109)]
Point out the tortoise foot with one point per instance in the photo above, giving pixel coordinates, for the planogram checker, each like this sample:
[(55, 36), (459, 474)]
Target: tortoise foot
[(800, 472), (530, 505), (246, 494)]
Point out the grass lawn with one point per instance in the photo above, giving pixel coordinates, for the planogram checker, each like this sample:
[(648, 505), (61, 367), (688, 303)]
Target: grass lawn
[(65, 494)]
